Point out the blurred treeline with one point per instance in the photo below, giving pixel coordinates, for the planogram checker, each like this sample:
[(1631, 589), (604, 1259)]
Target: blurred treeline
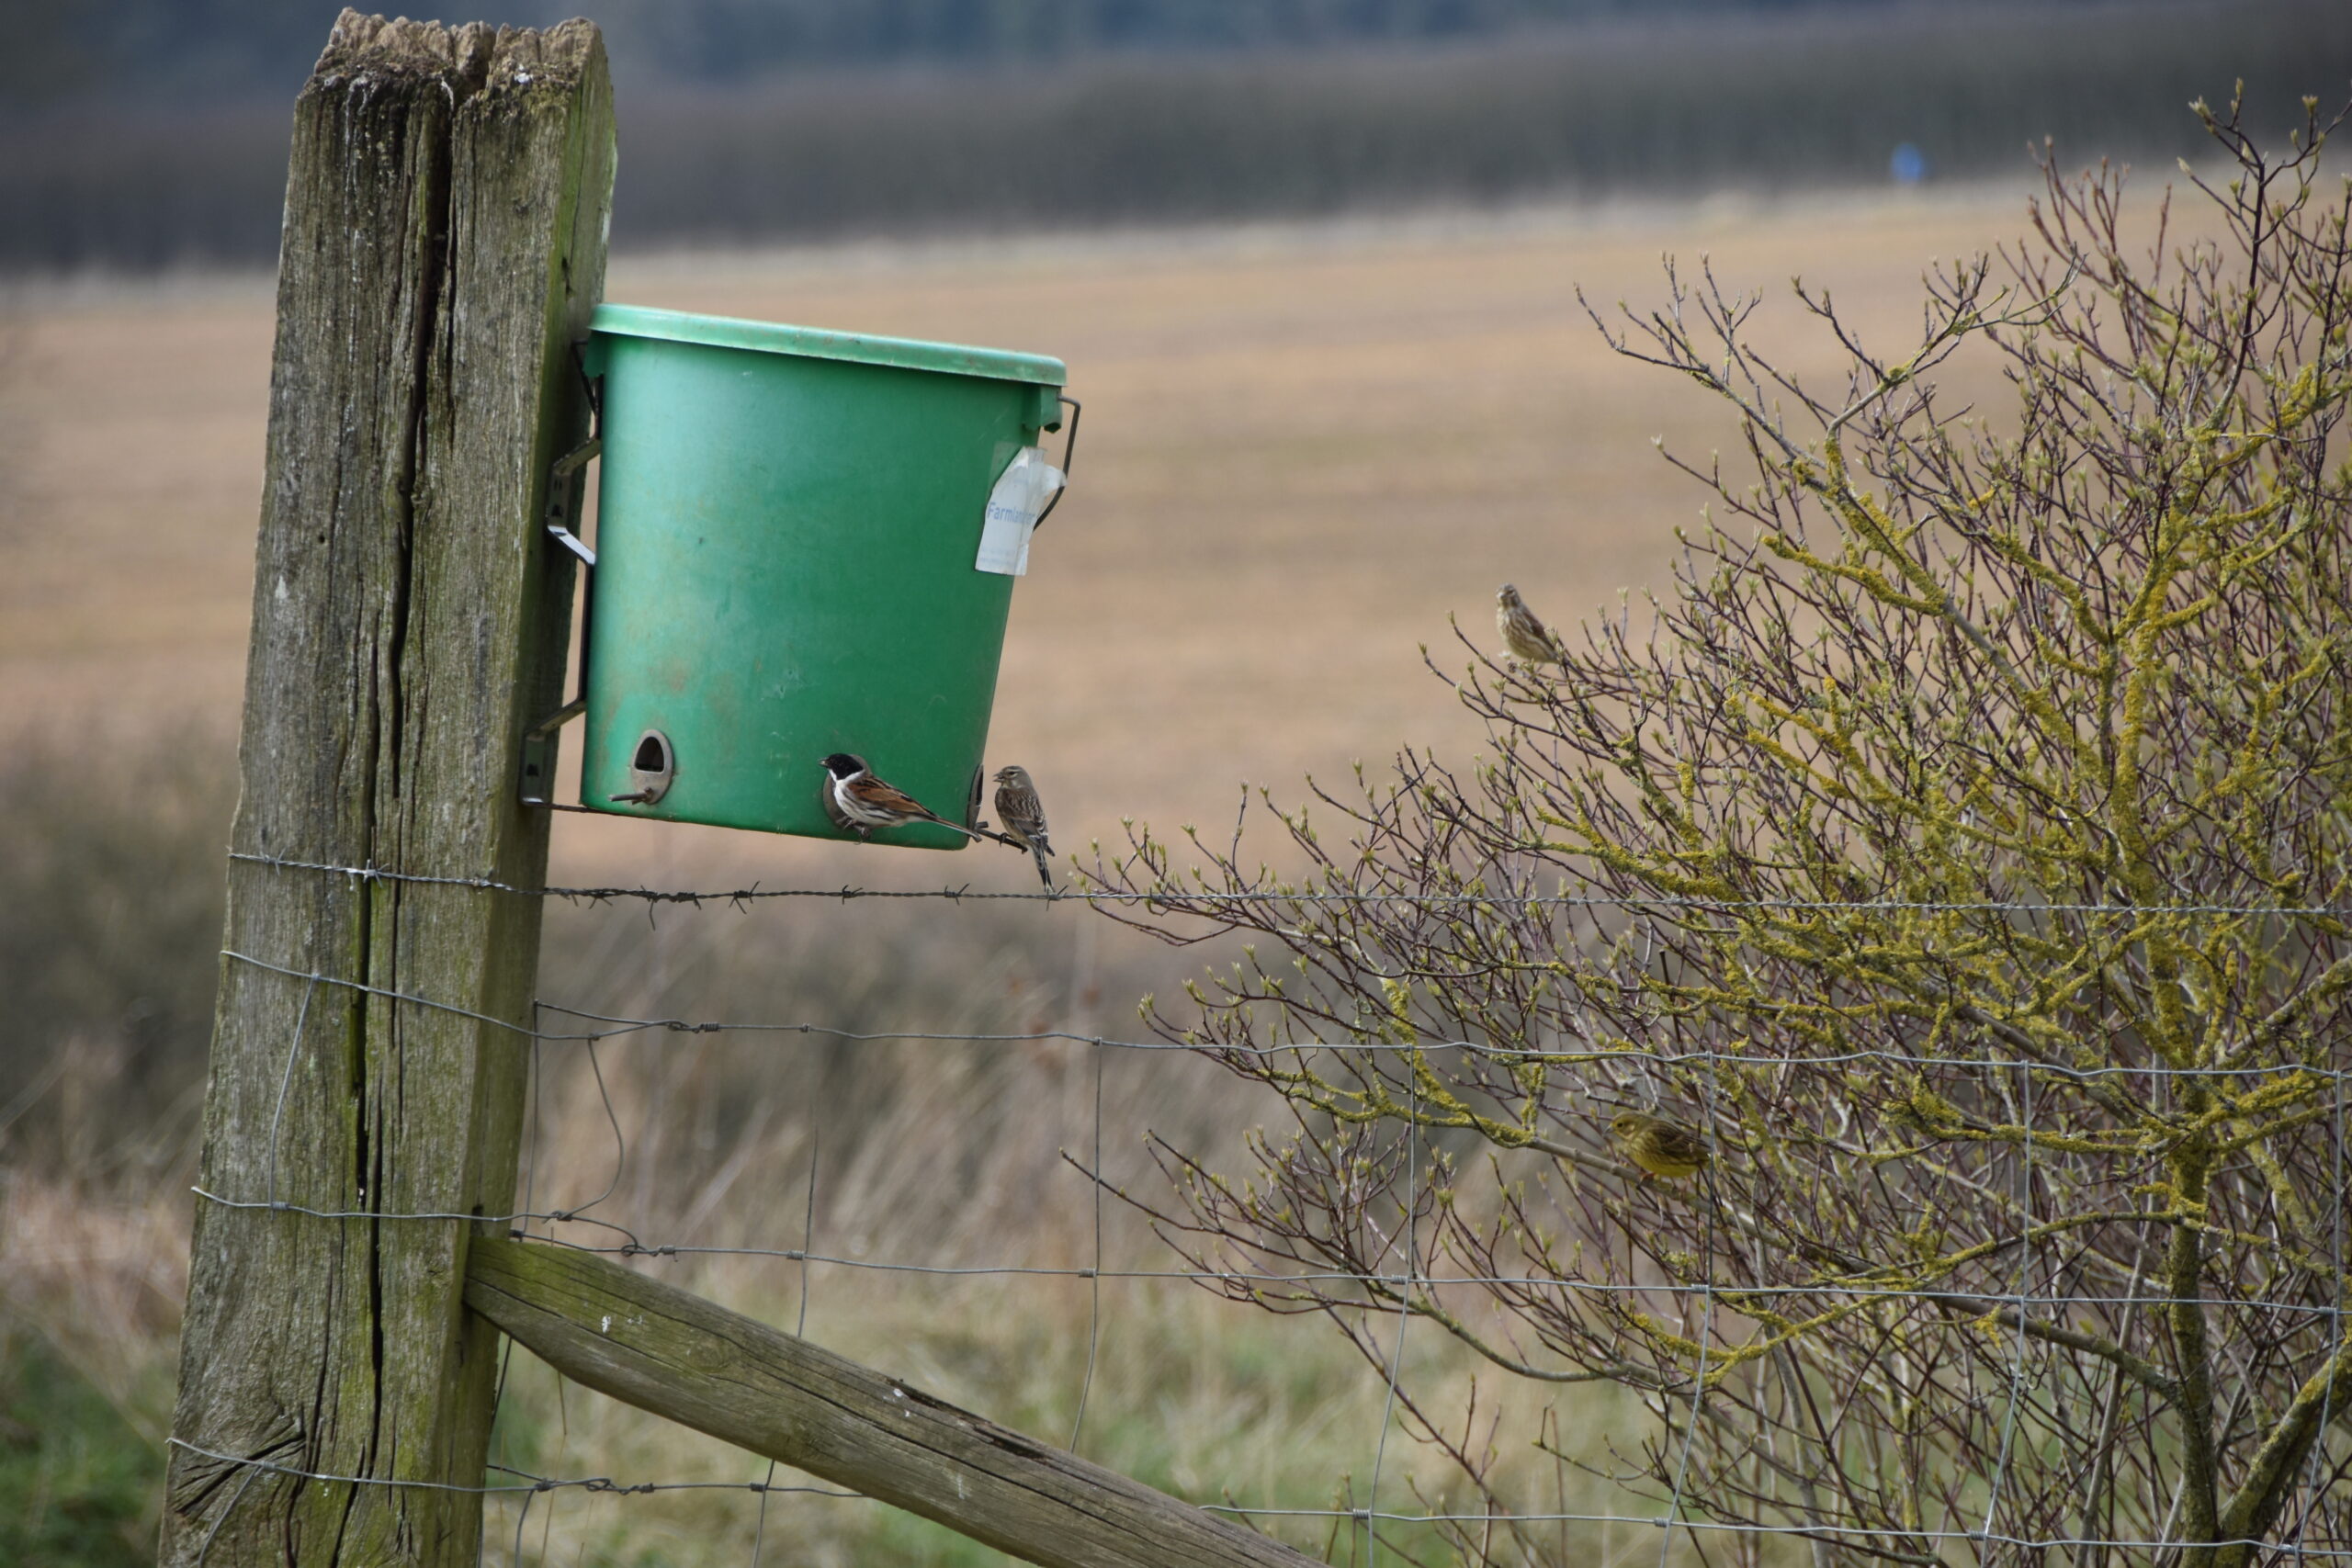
[(198, 48), (792, 119)]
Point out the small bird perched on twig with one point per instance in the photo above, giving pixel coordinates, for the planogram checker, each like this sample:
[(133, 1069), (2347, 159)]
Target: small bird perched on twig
[(858, 800), (1523, 634), (1659, 1146), (1024, 815)]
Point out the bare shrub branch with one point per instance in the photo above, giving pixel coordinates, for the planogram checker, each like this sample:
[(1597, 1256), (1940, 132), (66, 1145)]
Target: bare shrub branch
[(1961, 849)]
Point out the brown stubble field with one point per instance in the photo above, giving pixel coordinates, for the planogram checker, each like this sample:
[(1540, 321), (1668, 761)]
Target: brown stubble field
[(1304, 447)]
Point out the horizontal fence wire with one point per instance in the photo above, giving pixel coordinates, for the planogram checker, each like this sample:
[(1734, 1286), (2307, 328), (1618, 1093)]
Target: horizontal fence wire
[(630, 1245), (526, 1483), (634, 1248), (967, 894), (1387, 1293), (1554, 1056)]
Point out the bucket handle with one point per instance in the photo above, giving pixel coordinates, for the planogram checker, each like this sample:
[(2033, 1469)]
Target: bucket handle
[(538, 783), (1069, 450)]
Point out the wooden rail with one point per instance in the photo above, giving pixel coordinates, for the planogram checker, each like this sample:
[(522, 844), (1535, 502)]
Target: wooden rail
[(673, 1353)]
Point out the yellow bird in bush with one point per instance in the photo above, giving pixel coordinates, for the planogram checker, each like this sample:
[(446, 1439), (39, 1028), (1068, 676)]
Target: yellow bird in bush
[(1659, 1146)]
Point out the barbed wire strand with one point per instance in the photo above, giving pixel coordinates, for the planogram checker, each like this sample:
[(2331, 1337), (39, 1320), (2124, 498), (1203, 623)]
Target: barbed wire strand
[(967, 894)]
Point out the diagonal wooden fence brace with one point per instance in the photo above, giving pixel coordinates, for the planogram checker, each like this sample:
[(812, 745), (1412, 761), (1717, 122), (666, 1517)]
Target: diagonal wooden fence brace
[(666, 1351), (445, 210)]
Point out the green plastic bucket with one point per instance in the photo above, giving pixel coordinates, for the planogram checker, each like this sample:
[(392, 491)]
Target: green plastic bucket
[(787, 526)]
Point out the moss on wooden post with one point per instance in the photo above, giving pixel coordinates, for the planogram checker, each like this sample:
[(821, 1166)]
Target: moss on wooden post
[(444, 243)]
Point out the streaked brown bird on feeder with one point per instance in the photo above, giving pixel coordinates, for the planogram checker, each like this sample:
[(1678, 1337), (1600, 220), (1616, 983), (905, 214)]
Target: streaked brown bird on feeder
[(1659, 1146), (1526, 635), (1022, 816)]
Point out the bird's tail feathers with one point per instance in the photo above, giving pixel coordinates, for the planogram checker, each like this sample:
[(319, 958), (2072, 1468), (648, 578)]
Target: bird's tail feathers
[(976, 834)]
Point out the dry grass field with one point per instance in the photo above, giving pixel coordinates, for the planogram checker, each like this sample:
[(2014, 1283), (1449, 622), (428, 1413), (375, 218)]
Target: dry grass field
[(1304, 448)]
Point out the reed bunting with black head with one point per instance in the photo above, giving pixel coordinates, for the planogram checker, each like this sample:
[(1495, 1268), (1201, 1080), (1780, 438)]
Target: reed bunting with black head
[(1023, 816), (1523, 634), (834, 812), (861, 802)]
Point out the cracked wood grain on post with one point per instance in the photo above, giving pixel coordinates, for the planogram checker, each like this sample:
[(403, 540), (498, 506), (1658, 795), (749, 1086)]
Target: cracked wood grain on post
[(444, 245), (667, 1351)]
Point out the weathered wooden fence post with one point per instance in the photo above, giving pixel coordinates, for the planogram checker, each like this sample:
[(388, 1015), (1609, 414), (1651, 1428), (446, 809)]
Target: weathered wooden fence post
[(444, 241)]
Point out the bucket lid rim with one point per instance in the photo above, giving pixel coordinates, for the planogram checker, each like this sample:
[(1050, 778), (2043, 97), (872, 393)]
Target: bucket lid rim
[(818, 343)]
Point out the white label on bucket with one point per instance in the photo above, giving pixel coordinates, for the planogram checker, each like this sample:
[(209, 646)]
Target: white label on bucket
[(1028, 483)]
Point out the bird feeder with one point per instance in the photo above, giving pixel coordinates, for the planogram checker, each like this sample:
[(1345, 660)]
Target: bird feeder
[(806, 544)]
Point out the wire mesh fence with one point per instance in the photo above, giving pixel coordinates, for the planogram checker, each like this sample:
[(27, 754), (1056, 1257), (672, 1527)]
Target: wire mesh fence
[(1719, 1325)]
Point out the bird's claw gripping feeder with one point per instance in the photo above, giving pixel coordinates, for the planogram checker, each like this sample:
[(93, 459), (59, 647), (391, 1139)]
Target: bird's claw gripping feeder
[(806, 544)]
